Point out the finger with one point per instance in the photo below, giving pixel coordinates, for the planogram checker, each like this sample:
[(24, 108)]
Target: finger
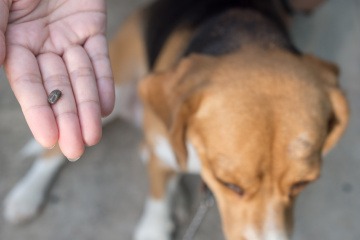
[(97, 50), (4, 16), (86, 93), (55, 76), (24, 76)]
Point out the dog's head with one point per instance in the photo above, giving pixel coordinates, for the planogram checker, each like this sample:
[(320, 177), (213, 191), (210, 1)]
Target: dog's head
[(260, 122)]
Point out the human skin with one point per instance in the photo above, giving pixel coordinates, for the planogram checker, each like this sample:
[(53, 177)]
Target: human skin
[(58, 44)]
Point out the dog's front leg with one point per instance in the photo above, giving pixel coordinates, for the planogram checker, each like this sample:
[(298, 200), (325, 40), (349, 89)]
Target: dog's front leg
[(156, 222), (25, 199)]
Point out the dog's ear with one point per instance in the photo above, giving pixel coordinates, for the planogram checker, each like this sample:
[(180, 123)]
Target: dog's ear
[(174, 96), (329, 73)]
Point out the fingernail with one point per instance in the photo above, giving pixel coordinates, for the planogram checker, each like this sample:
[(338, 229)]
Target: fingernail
[(73, 159), (49, 148)]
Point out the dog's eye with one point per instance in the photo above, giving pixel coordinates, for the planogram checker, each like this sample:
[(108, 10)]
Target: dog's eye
[(298, 187), (238, 190)]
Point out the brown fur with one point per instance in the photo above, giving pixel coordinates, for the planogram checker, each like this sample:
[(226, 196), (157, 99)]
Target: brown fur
[(127, 51)]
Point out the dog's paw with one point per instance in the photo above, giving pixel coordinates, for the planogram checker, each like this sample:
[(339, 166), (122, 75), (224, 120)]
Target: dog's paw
[(149, 230), (25, 199), (22, 204), (155, 224), (152, 233)]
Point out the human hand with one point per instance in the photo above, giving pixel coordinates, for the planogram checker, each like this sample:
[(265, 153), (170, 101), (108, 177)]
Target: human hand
[(59, 44)]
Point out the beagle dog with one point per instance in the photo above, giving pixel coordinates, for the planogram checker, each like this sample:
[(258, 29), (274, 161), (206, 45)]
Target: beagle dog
[(225, 94)]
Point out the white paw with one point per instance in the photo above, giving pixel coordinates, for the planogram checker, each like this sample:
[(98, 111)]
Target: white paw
[(149, 230), (22, 204), (26, 198), (155, 224)]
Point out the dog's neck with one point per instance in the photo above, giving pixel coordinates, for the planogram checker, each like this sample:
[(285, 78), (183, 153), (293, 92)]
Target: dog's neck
[(235, 28)]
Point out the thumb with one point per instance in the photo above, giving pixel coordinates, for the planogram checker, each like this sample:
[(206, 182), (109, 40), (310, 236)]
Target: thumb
[(4, 16)]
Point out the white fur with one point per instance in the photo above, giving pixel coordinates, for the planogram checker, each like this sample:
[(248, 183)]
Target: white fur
[(251, 234), (144, 154), (155, 223), (165, 153), (270, 233), (31, 148), (25, 199), (193, 163), (128, 105), (271, 229)]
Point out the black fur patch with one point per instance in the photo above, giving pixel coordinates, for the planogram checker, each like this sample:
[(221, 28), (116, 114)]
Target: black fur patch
[(234, 28), (163, 16)]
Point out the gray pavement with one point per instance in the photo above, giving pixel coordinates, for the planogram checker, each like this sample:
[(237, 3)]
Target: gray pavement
[(101, 195)]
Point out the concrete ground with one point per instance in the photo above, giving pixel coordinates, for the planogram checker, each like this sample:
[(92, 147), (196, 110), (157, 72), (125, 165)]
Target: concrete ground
[(101, 195)]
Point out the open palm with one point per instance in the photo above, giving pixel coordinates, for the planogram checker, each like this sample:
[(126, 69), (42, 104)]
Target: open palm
[(60, 44)]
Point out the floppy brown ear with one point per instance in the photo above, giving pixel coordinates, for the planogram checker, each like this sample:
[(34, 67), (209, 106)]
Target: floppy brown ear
[(173, 96), (340, 118), (338, 121)]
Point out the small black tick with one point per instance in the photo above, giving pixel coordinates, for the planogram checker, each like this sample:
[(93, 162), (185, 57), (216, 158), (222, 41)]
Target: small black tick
[(54, 96)]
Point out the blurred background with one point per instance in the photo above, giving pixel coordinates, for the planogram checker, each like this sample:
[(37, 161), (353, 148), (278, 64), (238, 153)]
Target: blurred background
[(101, 196)]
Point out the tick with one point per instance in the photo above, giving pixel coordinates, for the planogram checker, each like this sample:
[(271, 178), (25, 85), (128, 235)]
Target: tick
[(54, 96)]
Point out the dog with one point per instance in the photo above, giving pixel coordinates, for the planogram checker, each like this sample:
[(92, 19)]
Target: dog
[(220, 90)]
